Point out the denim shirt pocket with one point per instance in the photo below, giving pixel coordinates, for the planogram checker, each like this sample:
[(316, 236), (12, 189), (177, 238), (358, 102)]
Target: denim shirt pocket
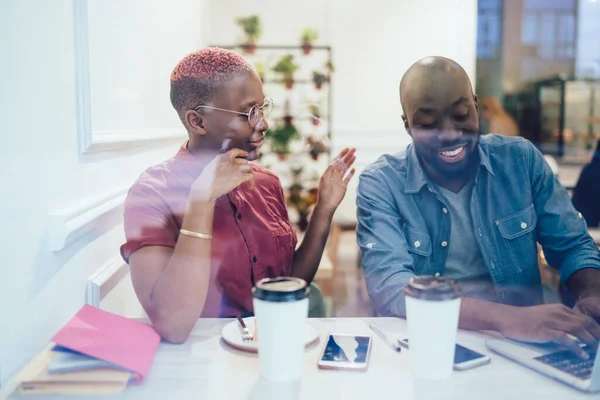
[(419, 245), (518, 231)]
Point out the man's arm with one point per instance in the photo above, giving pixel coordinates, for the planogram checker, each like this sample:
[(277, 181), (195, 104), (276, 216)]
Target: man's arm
[(387, 264), (585, 284), (562, 231), (583, 198), (563, 234)]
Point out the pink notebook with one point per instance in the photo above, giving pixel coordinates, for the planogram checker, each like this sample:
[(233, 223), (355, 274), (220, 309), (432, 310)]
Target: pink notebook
[(121, 341)]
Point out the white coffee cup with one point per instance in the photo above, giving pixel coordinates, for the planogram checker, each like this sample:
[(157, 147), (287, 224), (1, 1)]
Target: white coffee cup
[(281, 312), (432, 311)]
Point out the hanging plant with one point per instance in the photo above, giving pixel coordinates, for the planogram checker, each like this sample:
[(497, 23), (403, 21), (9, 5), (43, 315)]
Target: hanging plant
[(316, 147), (280, 138), (319, 78), (286, 68), (252, 29), (315, 114), (307, 38)]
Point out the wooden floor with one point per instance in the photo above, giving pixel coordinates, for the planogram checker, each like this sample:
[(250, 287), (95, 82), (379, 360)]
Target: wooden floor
[(342, 282)]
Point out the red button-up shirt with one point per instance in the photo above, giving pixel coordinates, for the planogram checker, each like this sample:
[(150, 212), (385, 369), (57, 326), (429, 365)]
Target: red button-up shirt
[(252, 234)]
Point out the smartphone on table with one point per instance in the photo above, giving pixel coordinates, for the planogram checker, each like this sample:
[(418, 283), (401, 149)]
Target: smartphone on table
[(463, 358), (344, 351)]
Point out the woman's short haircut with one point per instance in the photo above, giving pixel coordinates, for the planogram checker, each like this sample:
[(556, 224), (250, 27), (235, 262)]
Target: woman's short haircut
[(197, 77)]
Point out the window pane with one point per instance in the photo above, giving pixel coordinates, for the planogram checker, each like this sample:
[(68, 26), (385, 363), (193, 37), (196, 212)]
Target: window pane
[(529, 31), (549, 4), (489, 4)]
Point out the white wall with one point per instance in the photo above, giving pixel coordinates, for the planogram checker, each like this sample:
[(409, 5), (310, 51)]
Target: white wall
[(44, 172), (374, 42)]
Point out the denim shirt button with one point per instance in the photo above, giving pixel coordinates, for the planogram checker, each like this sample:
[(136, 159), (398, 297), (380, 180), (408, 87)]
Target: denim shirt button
[(579, 216), (437, 274), (444, 243), (523, 225), (417, 244), (445, 210)]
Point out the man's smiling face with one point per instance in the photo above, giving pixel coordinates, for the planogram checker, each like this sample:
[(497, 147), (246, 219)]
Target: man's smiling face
[(441, 115)]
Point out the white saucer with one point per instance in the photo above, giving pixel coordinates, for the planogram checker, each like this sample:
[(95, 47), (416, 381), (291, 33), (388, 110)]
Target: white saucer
[(232, 335)]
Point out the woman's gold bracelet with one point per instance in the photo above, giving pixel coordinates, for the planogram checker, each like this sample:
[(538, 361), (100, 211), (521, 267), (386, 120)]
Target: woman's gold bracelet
[(195, 234)]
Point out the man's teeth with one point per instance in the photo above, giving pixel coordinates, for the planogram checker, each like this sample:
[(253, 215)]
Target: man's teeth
[(452, 153)]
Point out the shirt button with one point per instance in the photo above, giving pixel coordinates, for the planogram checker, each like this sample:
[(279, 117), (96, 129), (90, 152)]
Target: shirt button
[(417, 244), (523, 225), (254, 259), (239, 216), (437, 274), (430, 189), (445, 210), (579, 216), (444, 243)]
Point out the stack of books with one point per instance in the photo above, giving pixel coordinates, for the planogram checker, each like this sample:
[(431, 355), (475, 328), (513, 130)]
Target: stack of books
[(96, 352)]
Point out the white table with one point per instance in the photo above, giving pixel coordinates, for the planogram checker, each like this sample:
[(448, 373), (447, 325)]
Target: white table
[(207, 368)]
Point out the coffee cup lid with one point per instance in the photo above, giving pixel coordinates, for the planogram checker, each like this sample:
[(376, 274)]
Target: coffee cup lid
[(432, 288), (281, 289)]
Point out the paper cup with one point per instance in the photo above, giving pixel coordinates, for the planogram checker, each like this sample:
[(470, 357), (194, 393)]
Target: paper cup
[(281, 311), (432, 311)]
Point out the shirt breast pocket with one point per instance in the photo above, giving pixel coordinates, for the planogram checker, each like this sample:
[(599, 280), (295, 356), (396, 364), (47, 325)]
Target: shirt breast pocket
[(419, 245), (518, 232), (286, 243)]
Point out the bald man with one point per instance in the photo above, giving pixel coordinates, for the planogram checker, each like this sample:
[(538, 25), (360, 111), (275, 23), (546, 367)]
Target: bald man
[(472, 208)]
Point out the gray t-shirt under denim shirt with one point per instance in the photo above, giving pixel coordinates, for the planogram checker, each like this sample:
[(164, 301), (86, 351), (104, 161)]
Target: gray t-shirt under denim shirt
[(464, 262)]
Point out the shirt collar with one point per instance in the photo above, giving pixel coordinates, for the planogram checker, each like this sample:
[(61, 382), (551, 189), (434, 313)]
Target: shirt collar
[(193, 165), (416, 177)]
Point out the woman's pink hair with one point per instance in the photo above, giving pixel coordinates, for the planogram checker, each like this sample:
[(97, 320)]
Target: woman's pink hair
[(212, 64), (197, 77)]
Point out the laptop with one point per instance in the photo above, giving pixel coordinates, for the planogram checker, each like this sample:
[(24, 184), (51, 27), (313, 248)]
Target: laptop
[(554, 361)]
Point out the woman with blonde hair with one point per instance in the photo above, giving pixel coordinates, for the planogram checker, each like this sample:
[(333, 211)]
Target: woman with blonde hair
[(498, 119)]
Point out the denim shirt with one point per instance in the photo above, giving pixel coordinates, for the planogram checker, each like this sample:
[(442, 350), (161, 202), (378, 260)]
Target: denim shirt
[(516, 202)]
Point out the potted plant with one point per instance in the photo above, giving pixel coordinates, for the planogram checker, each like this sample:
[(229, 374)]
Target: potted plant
[(319, 78), (316, 147), (300, 198), (307, 38), (315, 114), (280, 138), (287, 114), (251, 27), (286, 68)]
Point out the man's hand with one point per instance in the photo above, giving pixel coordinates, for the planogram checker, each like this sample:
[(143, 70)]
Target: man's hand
[(550, 323), (223, 174), (589, 306), (334, 180)]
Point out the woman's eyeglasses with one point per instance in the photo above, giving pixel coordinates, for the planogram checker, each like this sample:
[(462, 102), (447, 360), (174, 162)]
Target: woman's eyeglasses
[(255, 113)]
